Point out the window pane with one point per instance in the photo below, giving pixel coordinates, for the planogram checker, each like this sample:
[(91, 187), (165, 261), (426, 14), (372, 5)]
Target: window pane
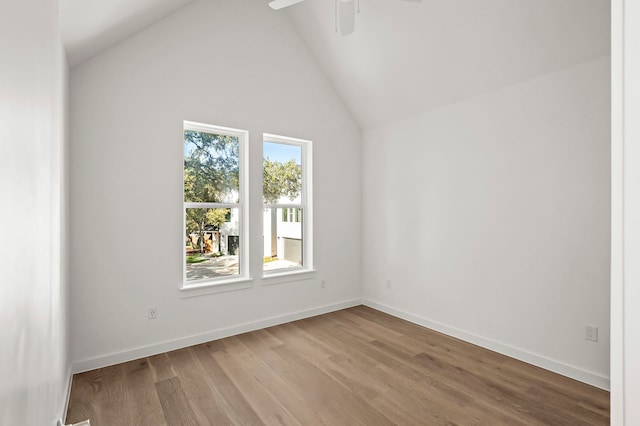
[(211, 243), (210, 167), (282, 173), (282, 241)]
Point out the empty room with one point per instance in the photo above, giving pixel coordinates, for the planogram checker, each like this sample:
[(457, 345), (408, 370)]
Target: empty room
[(338, 212)]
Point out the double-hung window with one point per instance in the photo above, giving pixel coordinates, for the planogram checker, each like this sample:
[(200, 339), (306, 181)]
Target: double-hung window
[(215, 226), (287, 214)]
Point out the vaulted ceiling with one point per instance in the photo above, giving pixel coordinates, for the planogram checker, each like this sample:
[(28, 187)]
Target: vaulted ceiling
[(403, 58), (89, 27)]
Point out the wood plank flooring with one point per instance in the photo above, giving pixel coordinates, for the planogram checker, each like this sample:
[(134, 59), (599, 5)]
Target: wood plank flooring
[(357, 366)]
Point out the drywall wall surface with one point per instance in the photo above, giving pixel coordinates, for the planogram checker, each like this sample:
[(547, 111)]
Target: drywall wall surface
[(491, 219), (34, 364), (626, 348), (227, 63)]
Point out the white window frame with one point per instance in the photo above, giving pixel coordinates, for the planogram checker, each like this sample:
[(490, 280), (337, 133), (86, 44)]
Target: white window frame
[(242, 280), (306, 204)]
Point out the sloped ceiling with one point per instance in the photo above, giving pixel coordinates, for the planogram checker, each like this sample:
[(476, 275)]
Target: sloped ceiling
[(404, 58), (90, 26)]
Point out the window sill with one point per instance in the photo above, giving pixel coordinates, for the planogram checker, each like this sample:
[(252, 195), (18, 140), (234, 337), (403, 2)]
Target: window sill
[(288, 276), (213, 287)]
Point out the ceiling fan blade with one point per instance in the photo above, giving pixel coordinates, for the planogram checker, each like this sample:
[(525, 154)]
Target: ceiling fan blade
[(279, 4)]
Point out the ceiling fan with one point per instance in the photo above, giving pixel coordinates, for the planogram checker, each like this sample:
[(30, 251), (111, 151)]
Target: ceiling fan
[(345, 12)]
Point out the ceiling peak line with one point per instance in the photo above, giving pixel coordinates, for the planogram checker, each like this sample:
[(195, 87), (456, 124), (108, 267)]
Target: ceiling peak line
[(345, 12)]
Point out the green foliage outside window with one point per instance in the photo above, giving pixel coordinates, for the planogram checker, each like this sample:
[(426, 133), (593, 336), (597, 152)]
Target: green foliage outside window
[(281, 180)]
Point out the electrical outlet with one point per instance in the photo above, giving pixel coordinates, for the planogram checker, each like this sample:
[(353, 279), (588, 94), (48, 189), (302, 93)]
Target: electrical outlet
[(323, 284), (152, 313), (389, 284), (591, 333)]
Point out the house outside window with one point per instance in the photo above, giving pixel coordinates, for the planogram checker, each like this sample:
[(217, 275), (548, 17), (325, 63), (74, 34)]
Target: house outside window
[(287, 213), (291, 215), (214, 204)]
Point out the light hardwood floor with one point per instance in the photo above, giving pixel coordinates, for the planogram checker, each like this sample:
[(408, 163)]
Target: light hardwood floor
[(352, 367)]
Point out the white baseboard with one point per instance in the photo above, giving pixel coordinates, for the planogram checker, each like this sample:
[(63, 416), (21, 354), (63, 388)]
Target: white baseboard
[(196, 339), (581, 375)]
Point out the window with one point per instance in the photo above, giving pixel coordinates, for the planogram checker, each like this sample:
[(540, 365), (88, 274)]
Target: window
[(286, 204), (214, 204), (291, 215)]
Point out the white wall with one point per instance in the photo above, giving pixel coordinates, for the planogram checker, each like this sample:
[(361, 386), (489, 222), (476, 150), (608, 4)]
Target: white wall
[(34, 366), (229, 63), (625, 250), (491, 219), (632, 214)]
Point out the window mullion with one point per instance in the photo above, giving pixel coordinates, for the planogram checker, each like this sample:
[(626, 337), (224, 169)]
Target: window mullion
[(211, 205), (283, 206)]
